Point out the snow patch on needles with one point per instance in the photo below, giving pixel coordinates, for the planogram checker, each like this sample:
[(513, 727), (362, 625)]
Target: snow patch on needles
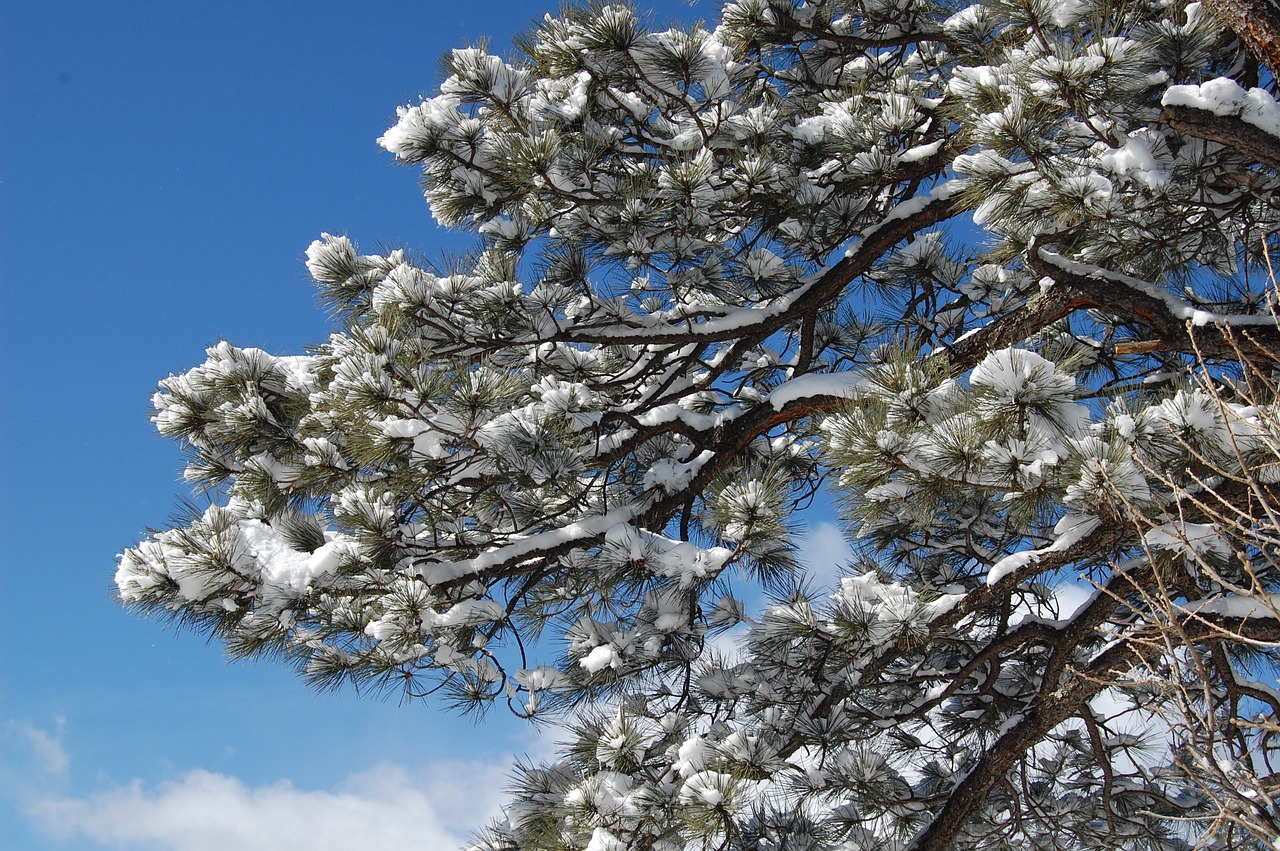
[(887, 610)]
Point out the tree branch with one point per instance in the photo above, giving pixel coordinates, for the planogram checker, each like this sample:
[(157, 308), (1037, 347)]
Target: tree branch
[(1177, 325), (1234, 133)]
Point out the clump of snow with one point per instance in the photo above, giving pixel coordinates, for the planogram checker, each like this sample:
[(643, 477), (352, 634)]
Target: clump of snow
[(921, 152), (1108, 478), (286, 570), (466, 613), (1136, 160), (840, 384), (1067, 12), (603, 840), (663, 556), (1192, 538), (1070, 530), (1225, 97), (427, 442), (709, 788), (1023, 381), (331, 258), (543, 677), (1238, 606), (606, 792), (604, 656), (416, 125), (1194, 412), (692, 756), (968, 17), (671, 475), (889, 609)]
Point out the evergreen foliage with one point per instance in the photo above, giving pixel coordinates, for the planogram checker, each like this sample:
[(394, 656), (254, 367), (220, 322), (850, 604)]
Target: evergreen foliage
[(993, 274)]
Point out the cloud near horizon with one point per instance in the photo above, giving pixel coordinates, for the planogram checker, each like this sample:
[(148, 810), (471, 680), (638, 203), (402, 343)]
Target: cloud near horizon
[(437, 807), (383, 807)]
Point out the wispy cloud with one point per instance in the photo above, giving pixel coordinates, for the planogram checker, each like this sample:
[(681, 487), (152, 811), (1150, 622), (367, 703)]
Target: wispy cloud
[(385, 807), (42, 745)]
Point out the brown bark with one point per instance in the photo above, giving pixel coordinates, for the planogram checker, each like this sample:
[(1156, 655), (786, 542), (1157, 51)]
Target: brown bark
[(1013, 327), (1234, 133)]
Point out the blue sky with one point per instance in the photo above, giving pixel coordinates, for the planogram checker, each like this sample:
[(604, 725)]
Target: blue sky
[(162, 168)]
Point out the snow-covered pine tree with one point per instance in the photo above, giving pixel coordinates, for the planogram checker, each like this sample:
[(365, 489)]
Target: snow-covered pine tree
[(995, 274)]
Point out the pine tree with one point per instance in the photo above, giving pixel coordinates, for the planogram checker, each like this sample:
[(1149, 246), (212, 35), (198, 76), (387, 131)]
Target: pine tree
[(995, 275)]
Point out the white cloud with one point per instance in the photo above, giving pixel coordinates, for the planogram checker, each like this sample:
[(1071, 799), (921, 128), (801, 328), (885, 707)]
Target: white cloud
[(46, 747), (385, 807), (826, 553)]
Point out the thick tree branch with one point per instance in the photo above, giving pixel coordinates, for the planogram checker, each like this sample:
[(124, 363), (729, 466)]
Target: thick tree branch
[(1178, 326), (908, 218), (1234, 133), (1059, 703), (1013, 327)]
